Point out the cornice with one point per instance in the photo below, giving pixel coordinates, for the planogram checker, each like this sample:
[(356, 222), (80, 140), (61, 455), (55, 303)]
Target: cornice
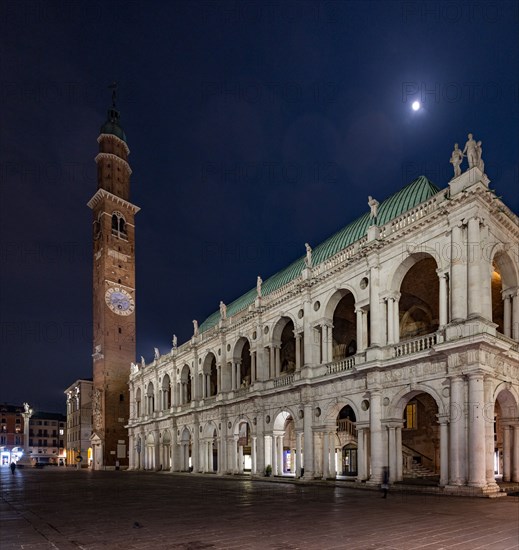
[(103, 194)]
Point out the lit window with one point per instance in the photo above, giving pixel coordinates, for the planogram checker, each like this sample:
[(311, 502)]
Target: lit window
[(410, 416)]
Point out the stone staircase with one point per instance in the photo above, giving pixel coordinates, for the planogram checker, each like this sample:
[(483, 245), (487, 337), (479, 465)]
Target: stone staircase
[(418, 471)]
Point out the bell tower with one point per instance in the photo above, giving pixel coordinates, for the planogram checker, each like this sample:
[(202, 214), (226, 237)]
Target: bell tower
[(113, 231)]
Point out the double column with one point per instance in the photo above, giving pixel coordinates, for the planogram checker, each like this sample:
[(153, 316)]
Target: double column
[(326, 342), (395, 450), (511, 313), (235, 375), (329, 467), (393, 318), (510, 450)]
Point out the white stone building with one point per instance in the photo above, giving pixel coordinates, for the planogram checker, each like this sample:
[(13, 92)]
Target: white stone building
[(393, 344)]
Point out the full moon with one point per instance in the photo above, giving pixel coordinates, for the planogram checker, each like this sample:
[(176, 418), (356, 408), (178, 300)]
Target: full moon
[(416, 105)]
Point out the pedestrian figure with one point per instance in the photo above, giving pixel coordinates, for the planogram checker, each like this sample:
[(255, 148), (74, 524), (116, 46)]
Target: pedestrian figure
[(385, 482), (13, 467)]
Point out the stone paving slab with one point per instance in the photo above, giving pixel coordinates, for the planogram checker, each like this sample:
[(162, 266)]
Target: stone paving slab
[(70, 509)]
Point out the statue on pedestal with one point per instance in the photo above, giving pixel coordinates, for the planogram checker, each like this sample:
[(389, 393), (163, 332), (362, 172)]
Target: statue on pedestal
[(308, 259), (196, 330), (143, 362), (479, 152), (259, 282), (373, 204), (223, 311), (174, 341), (156, 353), (471, 150), (456, 160)]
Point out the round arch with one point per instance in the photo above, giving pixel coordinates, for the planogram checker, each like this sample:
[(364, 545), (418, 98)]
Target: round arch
[(400, 400), (239, 345), (334, 297), (397, 277)]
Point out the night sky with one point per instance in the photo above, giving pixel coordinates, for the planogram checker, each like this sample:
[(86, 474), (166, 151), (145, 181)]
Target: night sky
[(253, 128)]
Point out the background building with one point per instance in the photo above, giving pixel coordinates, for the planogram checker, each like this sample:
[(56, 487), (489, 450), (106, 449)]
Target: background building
[(11, 433), (79, 422), (393, 344), (47, 437)]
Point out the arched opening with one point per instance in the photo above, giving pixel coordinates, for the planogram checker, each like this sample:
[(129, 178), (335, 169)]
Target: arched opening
[(420, 437), (283, 445), (186, 464), (209, 376), (347, 435), (150, 399), (149, 459), (503, 285), (344, 332), (166, 451), (419, 299), (245, 365), (283, 360), (185, 385), (505, 432), (243, 449), (166, 393), (138, 399), (209, 449), (118, 225)]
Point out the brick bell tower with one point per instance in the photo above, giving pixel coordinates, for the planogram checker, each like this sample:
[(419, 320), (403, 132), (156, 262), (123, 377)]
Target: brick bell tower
[(113, 295)]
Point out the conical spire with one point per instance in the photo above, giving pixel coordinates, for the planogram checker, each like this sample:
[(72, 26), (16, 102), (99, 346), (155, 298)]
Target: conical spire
[(112, 124)]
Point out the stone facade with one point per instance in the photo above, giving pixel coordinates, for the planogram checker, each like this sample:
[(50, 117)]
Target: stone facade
[(400, 351), (79, 423)]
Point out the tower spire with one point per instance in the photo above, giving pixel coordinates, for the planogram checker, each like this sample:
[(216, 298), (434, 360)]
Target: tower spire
[(113, 119)]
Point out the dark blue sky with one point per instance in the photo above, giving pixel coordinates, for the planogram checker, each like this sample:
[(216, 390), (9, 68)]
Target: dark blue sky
[(254, 127)]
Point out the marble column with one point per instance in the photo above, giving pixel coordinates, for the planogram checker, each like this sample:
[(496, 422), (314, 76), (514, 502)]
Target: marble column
[(361, 345), (476, 448), (298, 350), (457, 432), (375, 308), (443, 420), (233, 376), (396, 317), (280, 455), (274, 455), (361, 455), (324, 348), (507, 448), (308, 463), (377, 452), (515, 454), (458, 278), (515, 315), (399, 457), (390, 321), (298, 454), (473, 264), (238, 375), (507, 315), (442, 276), (329, 342), (392, 453), (326, 455), (253, 374), (278, 360), (253, 457), (333, 467), (272, 363)]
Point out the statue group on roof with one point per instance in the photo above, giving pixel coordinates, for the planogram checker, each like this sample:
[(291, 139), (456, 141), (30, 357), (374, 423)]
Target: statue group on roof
[(473, 152)]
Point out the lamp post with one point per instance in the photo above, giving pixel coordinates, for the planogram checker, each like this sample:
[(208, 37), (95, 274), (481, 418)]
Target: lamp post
[(26, 459)]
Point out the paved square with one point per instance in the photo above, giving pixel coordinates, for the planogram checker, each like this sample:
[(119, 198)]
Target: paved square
[(69, 509)]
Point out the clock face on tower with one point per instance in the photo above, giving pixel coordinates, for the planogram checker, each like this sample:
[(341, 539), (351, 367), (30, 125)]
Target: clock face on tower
[(119, 301)]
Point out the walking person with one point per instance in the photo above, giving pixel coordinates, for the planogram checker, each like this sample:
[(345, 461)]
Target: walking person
[(13, 467), (385, 482)]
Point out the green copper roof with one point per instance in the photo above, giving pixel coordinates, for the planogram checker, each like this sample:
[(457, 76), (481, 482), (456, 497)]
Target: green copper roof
[(112, 124), (407, 198)]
